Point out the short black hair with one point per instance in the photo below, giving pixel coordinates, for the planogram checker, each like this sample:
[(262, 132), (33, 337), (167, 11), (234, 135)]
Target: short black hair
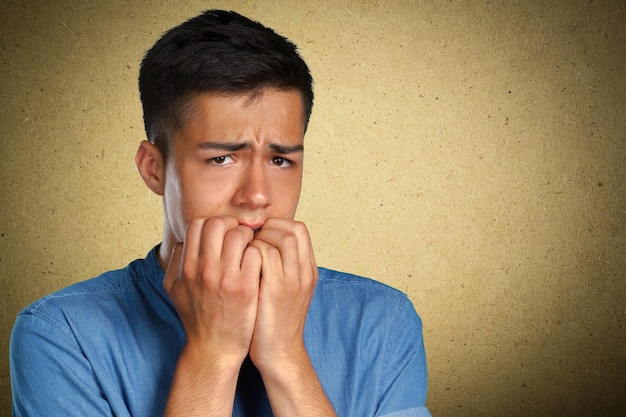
[(219, 52)]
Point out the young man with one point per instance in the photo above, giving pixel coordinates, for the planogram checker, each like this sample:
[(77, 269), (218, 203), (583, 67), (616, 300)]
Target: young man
[(229, 315)]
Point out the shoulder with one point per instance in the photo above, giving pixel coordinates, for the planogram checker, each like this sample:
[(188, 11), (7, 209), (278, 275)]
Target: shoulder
[(363, 288), (331, 276), (94, 296), (348, 295), (108, 282)]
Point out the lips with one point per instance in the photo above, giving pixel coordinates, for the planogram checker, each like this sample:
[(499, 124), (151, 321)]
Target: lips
[(255, 226)]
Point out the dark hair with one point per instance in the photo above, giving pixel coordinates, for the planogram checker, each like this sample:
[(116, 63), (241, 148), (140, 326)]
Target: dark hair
[(216, 52)]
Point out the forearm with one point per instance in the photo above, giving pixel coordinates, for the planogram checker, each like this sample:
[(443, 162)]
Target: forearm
[(201, 387), (294, 389)]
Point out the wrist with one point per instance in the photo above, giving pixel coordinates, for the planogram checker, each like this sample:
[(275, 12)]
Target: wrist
[(293, 387), (215, 362), (282, 366)]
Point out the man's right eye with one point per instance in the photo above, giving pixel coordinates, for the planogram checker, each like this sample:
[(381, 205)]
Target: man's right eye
[(220, 160)]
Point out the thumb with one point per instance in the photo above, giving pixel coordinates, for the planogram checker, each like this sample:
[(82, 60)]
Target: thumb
[(173, 268)]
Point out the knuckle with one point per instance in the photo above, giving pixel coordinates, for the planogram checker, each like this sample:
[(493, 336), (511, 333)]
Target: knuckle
[(312, 281), (290, 241), (229, 285), (299, 225), (309, 278), (216, 223), (273, 253), (300, 228), (187, 271), (252, 250), (235, 287), (195, 222), (238, 234)]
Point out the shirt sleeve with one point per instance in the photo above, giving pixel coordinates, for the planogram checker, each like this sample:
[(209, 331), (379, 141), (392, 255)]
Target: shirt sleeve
[(413, 412), (404, 382), (49, 374)]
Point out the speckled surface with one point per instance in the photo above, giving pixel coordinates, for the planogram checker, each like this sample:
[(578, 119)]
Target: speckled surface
[(472, 154)]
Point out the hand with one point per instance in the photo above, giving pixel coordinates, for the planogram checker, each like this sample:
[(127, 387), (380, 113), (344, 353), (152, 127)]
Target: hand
[(213, 282), (288, 278)]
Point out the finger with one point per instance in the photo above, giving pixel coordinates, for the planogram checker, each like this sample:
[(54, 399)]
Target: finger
[(296, 228), (211, 239), (272, 261), (235, 242), (251, 264), (173, 268), (191, 248), (292, 240)]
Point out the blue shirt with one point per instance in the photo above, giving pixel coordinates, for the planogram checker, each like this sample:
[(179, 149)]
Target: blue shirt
[(109, 347)]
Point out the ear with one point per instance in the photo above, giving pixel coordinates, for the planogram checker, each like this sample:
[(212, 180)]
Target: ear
[(151, 166)]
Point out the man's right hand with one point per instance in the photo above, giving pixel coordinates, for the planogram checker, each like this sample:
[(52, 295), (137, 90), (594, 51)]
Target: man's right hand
[(213, 282)]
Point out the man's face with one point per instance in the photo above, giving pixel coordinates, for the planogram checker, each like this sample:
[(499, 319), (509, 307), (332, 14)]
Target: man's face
[(238, 156)]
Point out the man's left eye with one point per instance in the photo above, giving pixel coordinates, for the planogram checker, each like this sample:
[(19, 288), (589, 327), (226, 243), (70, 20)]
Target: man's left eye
[(282, 162)]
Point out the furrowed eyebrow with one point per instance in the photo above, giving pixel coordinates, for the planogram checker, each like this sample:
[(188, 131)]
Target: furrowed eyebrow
[(237, 146), (225, 146), (285, 149)]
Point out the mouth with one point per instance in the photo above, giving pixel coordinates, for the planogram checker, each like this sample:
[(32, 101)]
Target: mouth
[(255, 226)]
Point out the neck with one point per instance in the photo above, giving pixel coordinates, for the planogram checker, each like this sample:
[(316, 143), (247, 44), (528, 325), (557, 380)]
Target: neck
[(164, 253)]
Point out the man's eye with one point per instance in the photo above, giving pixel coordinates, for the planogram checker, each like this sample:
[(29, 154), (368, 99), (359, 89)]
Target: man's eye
[(282, 162), (220, 160)]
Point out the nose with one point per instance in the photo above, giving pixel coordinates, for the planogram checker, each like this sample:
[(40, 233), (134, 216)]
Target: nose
[(254, 188)]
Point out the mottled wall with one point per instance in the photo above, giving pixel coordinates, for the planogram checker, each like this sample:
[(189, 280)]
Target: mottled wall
[(472, 154)]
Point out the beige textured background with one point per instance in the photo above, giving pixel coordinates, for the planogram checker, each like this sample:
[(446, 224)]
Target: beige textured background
[(472, 154)]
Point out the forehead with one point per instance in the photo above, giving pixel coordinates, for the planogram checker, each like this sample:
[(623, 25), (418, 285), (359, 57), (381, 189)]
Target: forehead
[(266, 111), (246, 99)]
